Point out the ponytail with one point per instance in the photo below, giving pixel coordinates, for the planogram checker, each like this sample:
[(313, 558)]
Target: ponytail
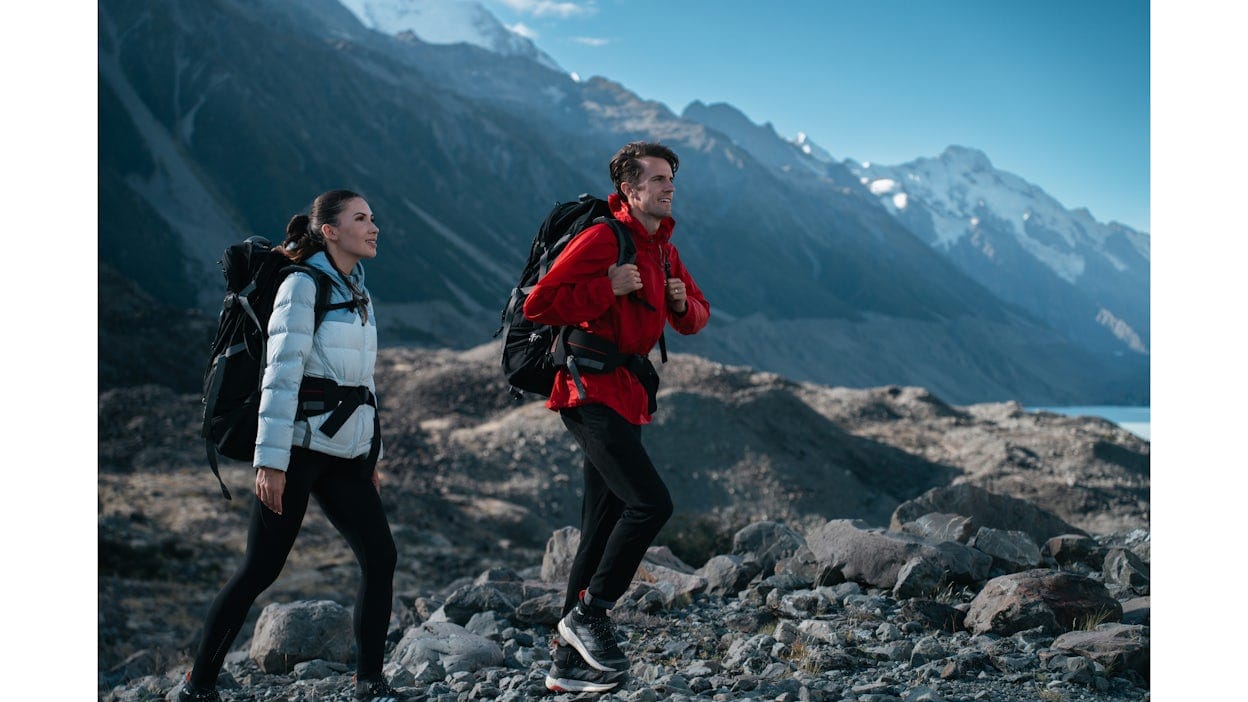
[(300, 244), (303, 233)]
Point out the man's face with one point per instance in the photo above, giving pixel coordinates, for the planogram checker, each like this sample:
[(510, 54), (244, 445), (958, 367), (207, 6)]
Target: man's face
[(651, 195)]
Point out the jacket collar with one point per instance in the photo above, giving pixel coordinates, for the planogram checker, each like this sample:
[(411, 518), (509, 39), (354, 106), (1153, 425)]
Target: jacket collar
[(320, 261), (621, 211)]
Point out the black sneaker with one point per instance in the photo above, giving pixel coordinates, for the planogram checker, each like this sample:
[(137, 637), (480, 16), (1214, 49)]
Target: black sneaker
[(570, 673), (593, 636), (377, 690), (190, 693)]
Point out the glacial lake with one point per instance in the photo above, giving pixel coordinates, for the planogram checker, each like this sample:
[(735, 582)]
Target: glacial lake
[(1133, 419)]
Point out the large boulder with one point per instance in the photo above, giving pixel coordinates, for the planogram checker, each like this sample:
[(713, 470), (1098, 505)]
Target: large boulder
[(877, 558), (287, 634), (1055, 600), (986, 509), (1115, 646)]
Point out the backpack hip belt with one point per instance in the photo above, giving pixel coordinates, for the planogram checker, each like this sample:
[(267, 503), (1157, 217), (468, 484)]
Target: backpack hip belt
[(579, 351), (319, 396)]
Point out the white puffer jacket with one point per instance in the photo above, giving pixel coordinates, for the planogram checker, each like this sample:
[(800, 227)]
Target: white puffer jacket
[(344, 349)]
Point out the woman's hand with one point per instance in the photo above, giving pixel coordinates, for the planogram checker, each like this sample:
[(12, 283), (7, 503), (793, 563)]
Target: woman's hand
[(270, 484), (376, 479)]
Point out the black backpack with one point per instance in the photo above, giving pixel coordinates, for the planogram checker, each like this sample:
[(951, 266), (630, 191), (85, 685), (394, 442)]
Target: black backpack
[(253, 272), (532, 352)]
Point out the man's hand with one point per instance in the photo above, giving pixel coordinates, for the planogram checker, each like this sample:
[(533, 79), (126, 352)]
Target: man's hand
[(270, 484), (677, 296), (624, 279)]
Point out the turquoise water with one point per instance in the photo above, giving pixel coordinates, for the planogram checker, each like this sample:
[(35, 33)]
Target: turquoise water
[(1133, 419)]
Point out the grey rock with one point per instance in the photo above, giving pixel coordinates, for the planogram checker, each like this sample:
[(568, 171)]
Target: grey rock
[(544, 610), (985, 509), (317, 669), (766, 543), (1011, 551), (726, 575), (875, 557), (1115, 646), (487, 624), (1054, 600), (468, 600), (919, 577), (560, 552), (662, 555), (1070, 549), (927, 650), (1136, 611), (449, 645), (287, 634), (1127, 570), (937, 526), (922, 694)]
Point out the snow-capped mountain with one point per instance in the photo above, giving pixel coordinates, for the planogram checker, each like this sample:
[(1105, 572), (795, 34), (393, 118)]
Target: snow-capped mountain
[(998, 227), (447, 22)]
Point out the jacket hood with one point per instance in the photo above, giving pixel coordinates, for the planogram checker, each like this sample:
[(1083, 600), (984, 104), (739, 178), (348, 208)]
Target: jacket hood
[(621, 211)]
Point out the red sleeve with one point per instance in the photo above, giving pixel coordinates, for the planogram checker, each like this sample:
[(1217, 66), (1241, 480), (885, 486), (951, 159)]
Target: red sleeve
[(576, 289), (698, 310)]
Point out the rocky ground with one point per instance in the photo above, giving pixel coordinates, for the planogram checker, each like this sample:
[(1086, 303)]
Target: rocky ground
[(475, 481)]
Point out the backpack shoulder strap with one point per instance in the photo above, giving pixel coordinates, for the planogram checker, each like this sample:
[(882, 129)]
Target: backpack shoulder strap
[(623, 237), (324, 288), (628, 254)]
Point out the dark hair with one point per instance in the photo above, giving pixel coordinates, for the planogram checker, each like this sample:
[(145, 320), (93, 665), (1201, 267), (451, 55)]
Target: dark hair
[(626, 164), (303, 234)]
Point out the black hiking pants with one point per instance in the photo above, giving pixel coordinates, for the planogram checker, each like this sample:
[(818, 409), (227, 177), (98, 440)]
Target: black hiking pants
[(626, 503), (348, 498)]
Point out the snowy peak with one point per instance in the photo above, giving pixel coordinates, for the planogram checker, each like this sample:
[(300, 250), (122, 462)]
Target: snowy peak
[(962, 192), (447, 22)]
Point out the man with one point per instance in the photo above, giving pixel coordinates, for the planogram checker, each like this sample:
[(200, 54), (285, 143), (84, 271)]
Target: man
[(626, 502)]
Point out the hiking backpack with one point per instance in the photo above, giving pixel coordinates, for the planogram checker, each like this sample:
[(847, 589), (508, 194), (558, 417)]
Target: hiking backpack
[(532, 352), (253, 271)]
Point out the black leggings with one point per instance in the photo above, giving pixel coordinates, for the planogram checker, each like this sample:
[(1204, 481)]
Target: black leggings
[(349, 500), (625, 504)]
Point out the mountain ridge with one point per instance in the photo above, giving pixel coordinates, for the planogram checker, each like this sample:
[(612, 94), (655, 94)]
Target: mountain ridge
[(461, 151)]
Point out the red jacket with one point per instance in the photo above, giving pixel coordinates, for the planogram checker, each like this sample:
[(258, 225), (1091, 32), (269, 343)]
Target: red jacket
[(577, 292)]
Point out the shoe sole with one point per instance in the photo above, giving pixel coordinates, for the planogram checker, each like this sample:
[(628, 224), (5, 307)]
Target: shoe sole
[(576, 643), (564, 685)]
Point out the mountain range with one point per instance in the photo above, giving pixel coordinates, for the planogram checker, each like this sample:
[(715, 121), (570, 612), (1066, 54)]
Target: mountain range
[(219, 119)]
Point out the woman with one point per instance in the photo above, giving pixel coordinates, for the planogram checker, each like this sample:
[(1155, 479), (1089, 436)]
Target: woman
[(296, 456)]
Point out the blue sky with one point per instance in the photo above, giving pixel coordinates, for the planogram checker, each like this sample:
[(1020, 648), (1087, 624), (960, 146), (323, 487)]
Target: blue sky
[(1056, 92)]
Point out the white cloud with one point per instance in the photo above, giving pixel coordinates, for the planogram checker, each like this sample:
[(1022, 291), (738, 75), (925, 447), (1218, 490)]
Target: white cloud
[(591, 41), (543, 8), (523, 30)]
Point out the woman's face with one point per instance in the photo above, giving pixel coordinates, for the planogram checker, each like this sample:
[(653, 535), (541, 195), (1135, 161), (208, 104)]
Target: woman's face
[(355, 235)]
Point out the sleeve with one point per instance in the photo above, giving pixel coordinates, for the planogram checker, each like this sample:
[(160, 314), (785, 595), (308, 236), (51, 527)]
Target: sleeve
[(576, 289), (291, 328), (698, 310)]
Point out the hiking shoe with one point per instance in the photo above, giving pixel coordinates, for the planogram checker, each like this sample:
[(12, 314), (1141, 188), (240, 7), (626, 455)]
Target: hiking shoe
[(190, 693), (593, 636), (377, 690), (570, 673)]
